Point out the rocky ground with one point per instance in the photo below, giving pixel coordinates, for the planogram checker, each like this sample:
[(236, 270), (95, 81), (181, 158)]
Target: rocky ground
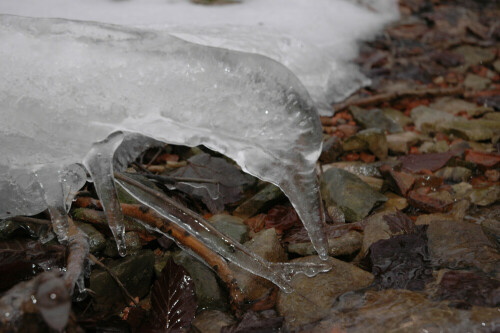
[(410, 179)]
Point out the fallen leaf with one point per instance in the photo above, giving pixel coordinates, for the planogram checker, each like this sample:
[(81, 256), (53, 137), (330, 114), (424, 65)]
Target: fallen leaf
[(256, 323), (173, 299)]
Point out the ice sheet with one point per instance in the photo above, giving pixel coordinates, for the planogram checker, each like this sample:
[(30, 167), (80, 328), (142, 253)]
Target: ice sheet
[(315, 39)]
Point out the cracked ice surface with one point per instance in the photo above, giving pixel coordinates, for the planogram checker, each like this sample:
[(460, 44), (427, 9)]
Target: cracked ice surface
[(315, 39)]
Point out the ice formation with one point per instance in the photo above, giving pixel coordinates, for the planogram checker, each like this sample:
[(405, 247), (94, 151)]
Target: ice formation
[(315, 39), (81, 96), (87, 80)]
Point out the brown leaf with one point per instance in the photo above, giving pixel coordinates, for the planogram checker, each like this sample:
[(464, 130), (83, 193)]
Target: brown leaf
[(282, 218), (418, 163), (173, 300)]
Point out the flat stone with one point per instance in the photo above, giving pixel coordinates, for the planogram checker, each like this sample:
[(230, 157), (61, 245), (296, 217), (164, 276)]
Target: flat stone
[(263, 199), (426, 119), (346, 244), (400, 143), (454, 174), (474, 55), (487, 160), (208, 292), (484, 196), (370, 139), (394, 203), (97, 241), (459, 244), (374, 118), (348, 192), (331, 150), (313, 296), (434, 147), (454, 105), (231, 226), (265, 244), (376, 228), (397, 116), (474, 129), (428, 203), (401, 310), (212, 321), (134, 271), (476, 82)]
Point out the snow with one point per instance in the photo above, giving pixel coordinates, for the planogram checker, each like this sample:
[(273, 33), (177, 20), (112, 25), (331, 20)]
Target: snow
[(79, 96)]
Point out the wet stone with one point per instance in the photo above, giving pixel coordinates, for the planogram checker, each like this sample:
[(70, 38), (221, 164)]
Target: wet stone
[(400, 182), (97, 241), (331, 150), (134, 271), (370, 139), (208, 292), (397, 116), (404, 311), (346, 244), (212, 321), (400, 143), (455, 105), (132, 242), (313, 297), (454, 174), (231, 226), (474, 129), (376, 228), (264, 198), (474, 55), (476, 82), (426, 119), (353, 196), (459, 244), (357, 168), (265, 244), (394, 203), (429, 203), (434, 147), (484, 196), (374, 118)]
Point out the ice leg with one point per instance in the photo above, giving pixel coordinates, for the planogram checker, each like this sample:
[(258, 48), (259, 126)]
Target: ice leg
[(99, 163)]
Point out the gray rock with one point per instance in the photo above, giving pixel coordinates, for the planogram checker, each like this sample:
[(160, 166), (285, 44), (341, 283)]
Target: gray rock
[(346, 244), (459, 244), (264, 198), (474, 55), (265, 244), (231, 226), (312, 297), (454, 105), (97, 241), (455, 174), (426, 119), (132, 242), (485, 196), (374, 118), (208, 292), (474, 129), (476, 82), (404, 311), (134, 271), (400, 143), (397, 116), (353, 196), (212, 321), (372, 139)]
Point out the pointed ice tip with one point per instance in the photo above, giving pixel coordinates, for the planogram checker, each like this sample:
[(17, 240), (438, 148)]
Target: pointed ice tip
[(122, 248), (323, 255)]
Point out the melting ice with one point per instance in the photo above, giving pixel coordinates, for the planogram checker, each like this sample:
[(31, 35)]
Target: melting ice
[(79, 95)]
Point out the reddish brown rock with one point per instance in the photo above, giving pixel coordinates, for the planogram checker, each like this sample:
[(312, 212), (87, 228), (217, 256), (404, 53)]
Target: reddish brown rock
[(400, 182), (418, 163), (487, 160), (427, 203)]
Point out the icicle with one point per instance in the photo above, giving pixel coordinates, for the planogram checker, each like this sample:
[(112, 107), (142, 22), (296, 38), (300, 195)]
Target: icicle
[(230, 249), (99, 163)]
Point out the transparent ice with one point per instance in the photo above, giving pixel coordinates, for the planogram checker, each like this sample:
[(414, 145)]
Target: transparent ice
[(78, 97)]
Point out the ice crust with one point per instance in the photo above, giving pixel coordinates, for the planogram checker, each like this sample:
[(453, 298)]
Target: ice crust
[(314, 38), (79, 96)]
